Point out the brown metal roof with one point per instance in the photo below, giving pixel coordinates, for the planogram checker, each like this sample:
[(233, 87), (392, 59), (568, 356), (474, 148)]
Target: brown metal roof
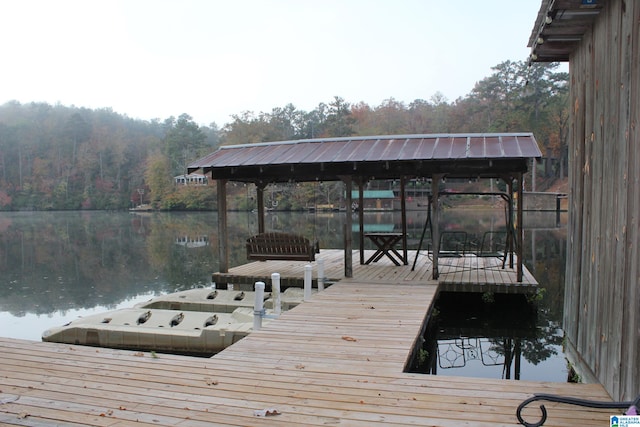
[(327, 159), (559, 26)]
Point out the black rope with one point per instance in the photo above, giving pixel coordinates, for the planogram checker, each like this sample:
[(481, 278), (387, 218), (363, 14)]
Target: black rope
[(569, 401)]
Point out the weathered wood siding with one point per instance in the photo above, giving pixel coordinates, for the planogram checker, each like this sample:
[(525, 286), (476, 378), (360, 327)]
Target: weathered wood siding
[(602, 301)]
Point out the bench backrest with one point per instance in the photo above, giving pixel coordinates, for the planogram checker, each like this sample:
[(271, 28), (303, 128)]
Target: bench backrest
[(280, 246)]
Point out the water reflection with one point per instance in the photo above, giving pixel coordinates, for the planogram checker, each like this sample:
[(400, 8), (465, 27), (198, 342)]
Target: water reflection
[(490, 336), (55, 266)]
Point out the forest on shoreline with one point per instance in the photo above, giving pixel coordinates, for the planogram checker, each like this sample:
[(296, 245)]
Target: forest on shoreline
[(55, 157)]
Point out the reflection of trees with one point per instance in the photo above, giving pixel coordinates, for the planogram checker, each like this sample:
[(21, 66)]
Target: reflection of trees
[(541, 345), (538, 346), (534, 349), (64, 260), (545, 256), (326, 227), (509, 327), (183, 266)]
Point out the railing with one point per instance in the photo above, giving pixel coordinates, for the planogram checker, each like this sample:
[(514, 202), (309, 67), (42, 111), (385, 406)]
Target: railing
[(632, 406)]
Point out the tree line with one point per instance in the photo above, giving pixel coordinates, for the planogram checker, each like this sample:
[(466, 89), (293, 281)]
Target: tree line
[(61, 157)]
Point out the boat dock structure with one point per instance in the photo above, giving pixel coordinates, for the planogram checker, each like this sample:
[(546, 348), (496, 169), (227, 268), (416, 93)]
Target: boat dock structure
[(336, 359), (457, 274)]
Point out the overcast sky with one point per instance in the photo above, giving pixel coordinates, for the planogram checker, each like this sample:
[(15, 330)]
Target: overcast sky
[(211, 59)]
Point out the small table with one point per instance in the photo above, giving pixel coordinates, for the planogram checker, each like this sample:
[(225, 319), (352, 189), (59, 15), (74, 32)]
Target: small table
[(385, 243)]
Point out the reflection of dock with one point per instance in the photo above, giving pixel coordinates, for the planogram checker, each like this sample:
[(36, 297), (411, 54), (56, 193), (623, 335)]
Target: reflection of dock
[(337, 359), (466, 274), (192, 242), (141, 208)]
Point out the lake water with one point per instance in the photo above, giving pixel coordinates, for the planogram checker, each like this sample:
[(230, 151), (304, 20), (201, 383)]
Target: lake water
[(57, 266)]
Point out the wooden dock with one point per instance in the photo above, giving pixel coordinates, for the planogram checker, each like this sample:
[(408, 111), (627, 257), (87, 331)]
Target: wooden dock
[(334, 360), (457, 274)]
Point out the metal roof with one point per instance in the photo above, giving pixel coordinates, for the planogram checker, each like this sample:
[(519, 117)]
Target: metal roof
[(388, 156), (559, 26)]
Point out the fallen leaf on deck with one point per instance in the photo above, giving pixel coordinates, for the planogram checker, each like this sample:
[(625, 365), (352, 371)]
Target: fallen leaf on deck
[(346, 338), (209, 381), (266, 412)]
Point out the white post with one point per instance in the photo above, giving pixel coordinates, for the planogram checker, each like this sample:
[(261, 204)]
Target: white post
[(307, 282), (258, 306), (275, 291), (320, 275)]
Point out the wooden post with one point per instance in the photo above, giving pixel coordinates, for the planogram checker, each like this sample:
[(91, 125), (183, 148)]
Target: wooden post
[(403, 209), (260, 201), (361, 218), (511, 232), (347, 232), (435, 222), (223, 236), (519, 227)]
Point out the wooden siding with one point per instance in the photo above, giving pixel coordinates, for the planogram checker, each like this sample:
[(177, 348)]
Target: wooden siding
[(602, 302)]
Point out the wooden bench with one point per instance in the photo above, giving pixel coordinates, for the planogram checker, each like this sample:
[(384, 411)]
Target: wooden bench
[(281, 246)]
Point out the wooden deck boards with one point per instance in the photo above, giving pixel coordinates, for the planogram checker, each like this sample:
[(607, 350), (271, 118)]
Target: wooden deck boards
[(467, 274), (336, 359)]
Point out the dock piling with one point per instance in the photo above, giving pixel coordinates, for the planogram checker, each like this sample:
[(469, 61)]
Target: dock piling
[(275, 292), (258, 306), (307, 282), (320, 275)]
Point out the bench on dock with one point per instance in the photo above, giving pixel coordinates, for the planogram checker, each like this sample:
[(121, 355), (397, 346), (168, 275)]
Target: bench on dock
[(281, 246)]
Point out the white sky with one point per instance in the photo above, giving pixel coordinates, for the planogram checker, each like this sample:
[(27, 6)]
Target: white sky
[(211, 59)]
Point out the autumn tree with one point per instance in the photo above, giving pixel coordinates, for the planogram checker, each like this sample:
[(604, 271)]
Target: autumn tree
[(57, 157), (246, 128), (183, 142), (158, 178), (339, 121)]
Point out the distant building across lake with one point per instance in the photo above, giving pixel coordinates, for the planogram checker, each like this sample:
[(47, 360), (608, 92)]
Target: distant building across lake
[(191, 179), (381, 200)]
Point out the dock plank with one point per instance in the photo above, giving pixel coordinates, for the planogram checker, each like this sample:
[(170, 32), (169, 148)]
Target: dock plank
[(336, 359)]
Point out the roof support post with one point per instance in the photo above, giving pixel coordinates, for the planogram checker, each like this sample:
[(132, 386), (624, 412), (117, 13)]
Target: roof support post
[(347, 231), (403, 209), (223, 237), (511, 223), (511, 220), (260, 201), (435, 221), (515, 229), (519, 224), (361, 217)]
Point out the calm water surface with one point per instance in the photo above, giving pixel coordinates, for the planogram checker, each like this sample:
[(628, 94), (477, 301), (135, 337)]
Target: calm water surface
[(57, 266)]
